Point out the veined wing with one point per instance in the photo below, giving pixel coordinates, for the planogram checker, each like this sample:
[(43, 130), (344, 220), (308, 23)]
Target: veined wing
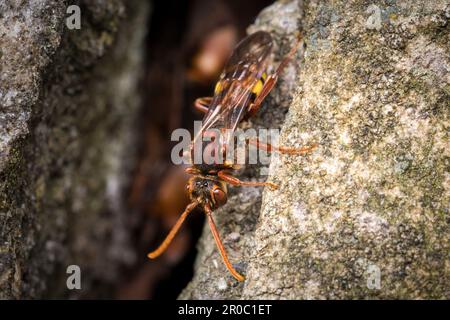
[(234, 88)]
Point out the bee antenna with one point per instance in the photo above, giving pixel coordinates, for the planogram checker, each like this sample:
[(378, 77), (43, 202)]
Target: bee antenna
[(220, 246), (163, 246)]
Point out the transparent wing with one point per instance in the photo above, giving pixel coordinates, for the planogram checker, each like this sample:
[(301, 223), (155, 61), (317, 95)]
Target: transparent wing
[(234, 89)]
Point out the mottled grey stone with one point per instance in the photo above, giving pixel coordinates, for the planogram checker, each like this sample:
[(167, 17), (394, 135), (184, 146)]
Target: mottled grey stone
[(67, 103), (366, 214)]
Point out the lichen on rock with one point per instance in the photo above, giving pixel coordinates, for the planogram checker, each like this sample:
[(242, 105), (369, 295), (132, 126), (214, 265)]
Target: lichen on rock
[(66, 108), (366, 214)]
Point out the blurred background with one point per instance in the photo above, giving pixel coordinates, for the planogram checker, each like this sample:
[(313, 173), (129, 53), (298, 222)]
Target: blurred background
[(187, 45)]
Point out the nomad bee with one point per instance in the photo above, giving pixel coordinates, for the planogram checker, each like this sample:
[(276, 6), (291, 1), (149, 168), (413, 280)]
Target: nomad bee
[(242, 87)]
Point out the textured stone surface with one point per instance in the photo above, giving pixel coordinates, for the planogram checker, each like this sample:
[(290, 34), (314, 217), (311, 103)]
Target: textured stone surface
[(373, 91), (66, 106)]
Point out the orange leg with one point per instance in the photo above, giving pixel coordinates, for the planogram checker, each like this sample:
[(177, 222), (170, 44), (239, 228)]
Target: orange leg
[(271, 81), (219, 244), (287, 58), (202, 104), (225, 176), (288, 150), (192, 170), (173, 232)]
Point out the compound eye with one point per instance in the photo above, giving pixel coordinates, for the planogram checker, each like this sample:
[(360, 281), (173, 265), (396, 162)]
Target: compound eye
[(220, 197)]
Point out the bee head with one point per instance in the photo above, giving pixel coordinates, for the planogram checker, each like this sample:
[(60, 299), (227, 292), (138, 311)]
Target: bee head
[(207, 191)]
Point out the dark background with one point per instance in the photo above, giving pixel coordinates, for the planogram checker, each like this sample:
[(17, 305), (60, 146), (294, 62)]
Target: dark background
[(187, 45)]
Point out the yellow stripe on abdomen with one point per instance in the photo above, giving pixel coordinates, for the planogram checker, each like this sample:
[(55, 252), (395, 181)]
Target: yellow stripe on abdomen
[(260, 84), (218, 87), (258, 87)]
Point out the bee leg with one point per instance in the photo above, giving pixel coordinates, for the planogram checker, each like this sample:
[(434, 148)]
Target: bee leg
[(268, 86), (272, 80), (191, 170), (227, 177), (202, 104), (288, 57), (220, 246), (281, 149)]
